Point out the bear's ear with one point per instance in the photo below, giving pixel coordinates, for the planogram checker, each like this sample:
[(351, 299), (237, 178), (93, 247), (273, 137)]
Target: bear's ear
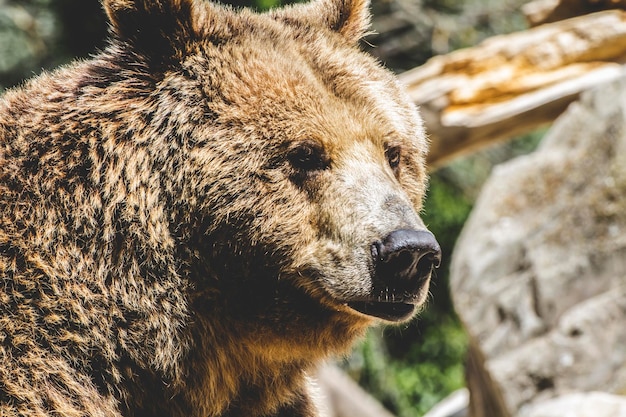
[(158, 28), (350, 18)]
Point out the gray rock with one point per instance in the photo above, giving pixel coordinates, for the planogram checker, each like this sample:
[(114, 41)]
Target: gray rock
[(584, 404), (539, 272)]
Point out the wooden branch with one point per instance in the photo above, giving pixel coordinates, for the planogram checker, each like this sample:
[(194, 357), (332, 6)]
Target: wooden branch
[(511, 84), (539, 12), (454, 405), (345, 398)]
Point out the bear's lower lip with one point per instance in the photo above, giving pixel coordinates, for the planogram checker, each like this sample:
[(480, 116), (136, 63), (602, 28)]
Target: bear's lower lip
[(384, 310)]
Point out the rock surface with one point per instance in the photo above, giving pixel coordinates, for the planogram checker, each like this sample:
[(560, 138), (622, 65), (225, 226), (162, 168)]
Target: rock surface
[(591, 404), (539, 272)]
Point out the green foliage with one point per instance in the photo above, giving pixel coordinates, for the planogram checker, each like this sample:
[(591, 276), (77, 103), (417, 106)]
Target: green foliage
[(260, 5), (409, 386), (266, 4), (433, 369)]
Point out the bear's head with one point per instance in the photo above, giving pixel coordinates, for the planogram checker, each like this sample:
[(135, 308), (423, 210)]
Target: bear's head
[(298, 166)]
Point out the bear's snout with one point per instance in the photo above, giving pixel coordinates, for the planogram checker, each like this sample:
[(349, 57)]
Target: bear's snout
[(403, 262)]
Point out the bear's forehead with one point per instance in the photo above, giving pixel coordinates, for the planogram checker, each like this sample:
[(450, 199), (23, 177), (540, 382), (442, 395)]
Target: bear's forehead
[(310, 83)]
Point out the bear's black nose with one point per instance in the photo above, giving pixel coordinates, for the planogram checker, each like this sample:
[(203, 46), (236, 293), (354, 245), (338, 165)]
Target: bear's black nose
[(406, 257), (403, 262)]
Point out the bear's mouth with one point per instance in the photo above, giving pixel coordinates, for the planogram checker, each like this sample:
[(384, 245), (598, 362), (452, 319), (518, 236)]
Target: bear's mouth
[(389, 311)]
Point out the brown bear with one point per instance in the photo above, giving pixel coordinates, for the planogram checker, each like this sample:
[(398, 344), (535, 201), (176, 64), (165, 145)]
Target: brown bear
[(196, 216)]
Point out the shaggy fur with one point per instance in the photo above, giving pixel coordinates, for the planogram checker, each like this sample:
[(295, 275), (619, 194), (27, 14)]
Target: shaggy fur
[(184, 216)]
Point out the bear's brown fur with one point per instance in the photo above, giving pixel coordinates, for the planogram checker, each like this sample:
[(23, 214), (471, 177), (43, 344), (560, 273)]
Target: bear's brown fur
[(186, 220)]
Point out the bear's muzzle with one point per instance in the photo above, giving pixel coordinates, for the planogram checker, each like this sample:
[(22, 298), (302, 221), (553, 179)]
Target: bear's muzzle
[(403, 263)]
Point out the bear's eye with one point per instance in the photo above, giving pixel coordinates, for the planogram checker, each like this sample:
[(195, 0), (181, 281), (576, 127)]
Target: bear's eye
[(393, 155), (308, 157)]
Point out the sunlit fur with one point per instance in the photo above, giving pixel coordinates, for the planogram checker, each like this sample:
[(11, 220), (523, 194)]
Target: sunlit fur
[(159, 255)]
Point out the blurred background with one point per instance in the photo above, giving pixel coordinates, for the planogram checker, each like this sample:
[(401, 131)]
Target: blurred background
[(408, 368)]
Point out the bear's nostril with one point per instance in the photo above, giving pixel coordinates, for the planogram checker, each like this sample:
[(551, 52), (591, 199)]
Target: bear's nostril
[(406, 255), (401, 260)]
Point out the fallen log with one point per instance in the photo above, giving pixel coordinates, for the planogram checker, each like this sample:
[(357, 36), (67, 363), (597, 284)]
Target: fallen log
[(511, 84), (538, 12), (345, 398)]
